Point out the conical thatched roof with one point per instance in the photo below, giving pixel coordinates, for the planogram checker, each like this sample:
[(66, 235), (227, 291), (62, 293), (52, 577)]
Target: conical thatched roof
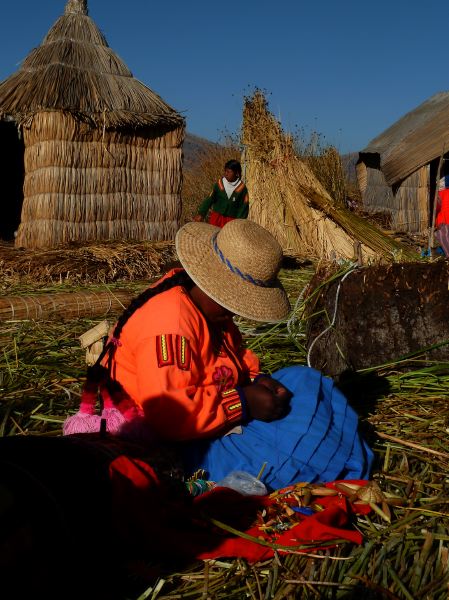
[(74, 70)]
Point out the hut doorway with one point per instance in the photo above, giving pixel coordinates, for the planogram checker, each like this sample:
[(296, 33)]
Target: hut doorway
[(12, 174)]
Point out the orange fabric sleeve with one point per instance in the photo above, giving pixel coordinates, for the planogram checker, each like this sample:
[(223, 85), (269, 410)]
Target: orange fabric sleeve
[(252, 362), (175, 404), (248, 358)]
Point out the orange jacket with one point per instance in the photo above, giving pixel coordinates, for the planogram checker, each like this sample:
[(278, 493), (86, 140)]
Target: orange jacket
[(166, 364)]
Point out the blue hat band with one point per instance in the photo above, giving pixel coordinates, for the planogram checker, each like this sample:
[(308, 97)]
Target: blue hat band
[(244, 276)]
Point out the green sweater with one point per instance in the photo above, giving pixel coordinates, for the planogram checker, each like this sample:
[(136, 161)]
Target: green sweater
[(236, 206)]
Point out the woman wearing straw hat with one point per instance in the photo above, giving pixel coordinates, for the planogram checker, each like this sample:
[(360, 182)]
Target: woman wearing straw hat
[(175, 369)]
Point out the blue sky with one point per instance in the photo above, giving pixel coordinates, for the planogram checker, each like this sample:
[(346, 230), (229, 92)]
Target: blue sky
[(345, 69)]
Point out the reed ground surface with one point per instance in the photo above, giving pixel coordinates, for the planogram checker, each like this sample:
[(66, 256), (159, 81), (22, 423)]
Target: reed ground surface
[(404, 415)]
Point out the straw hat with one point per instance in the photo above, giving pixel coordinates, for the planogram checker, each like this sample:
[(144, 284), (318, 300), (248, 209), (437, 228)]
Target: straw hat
[(236, 266)]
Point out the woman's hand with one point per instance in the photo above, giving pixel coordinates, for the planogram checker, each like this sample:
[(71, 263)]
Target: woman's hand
[(276, 387), (263, 404)]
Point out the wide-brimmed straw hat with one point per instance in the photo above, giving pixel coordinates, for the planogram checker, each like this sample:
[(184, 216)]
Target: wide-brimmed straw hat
[(236, 266)]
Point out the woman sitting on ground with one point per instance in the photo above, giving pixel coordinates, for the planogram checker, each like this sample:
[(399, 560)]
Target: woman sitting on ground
[(175, 369)]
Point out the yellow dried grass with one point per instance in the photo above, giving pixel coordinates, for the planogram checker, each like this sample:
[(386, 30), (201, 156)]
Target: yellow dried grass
[(81, 264), (290, 201)]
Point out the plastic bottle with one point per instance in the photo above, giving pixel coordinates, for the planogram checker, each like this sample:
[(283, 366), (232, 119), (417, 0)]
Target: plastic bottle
[(244, 483)]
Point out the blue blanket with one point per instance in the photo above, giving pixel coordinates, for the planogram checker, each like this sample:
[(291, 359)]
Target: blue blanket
[(317, 441)]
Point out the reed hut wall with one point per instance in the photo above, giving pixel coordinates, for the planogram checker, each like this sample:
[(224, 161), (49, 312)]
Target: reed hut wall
[(407, 154), (407, 205), (83, 183)]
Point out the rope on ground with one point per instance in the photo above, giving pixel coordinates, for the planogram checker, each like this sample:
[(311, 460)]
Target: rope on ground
[(293, 318)]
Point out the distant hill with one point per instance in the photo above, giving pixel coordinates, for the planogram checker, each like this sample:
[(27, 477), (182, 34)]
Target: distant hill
[(194, 147)]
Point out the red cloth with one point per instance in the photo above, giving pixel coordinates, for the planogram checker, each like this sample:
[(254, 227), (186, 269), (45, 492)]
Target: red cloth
[(218, 220), (332, 523), (443, 210), (147, 515)]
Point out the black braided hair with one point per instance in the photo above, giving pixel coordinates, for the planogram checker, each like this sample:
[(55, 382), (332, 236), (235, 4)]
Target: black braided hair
[(97, 372), (180, 278)]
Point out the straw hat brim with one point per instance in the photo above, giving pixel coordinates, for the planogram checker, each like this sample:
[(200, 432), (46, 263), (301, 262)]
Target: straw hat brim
[(199, 259)]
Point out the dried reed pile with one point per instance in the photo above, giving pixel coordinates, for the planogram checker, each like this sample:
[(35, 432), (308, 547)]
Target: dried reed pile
[(103, 153), (288, 199), (403, 557), (83, 264)]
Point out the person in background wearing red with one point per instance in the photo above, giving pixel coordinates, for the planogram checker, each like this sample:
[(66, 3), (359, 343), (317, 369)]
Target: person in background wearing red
[(228, 199), (442, 215)]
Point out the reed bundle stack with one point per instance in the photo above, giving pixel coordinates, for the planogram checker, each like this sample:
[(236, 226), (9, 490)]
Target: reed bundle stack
[(290, 202), (82, 264), (102, 152), (63, 306)]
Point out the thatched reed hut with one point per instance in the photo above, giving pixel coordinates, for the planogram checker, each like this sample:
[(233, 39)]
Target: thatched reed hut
[(289, 201), (87, 152), (397, 171)]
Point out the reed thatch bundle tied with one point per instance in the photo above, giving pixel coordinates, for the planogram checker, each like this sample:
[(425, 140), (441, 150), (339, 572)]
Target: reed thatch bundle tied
[(289, 200), (93, 341), (44, 307), (76, 6)]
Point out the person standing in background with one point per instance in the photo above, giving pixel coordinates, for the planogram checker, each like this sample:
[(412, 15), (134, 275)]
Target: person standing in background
[(442, 215), (228, 199)]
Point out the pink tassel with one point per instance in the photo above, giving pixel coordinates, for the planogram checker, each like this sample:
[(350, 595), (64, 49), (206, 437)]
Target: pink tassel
[(135, 429), (114, 420), (86, 423), (81, 423)]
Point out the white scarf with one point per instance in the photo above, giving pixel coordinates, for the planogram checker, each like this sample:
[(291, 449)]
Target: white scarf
[(230, 187)]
